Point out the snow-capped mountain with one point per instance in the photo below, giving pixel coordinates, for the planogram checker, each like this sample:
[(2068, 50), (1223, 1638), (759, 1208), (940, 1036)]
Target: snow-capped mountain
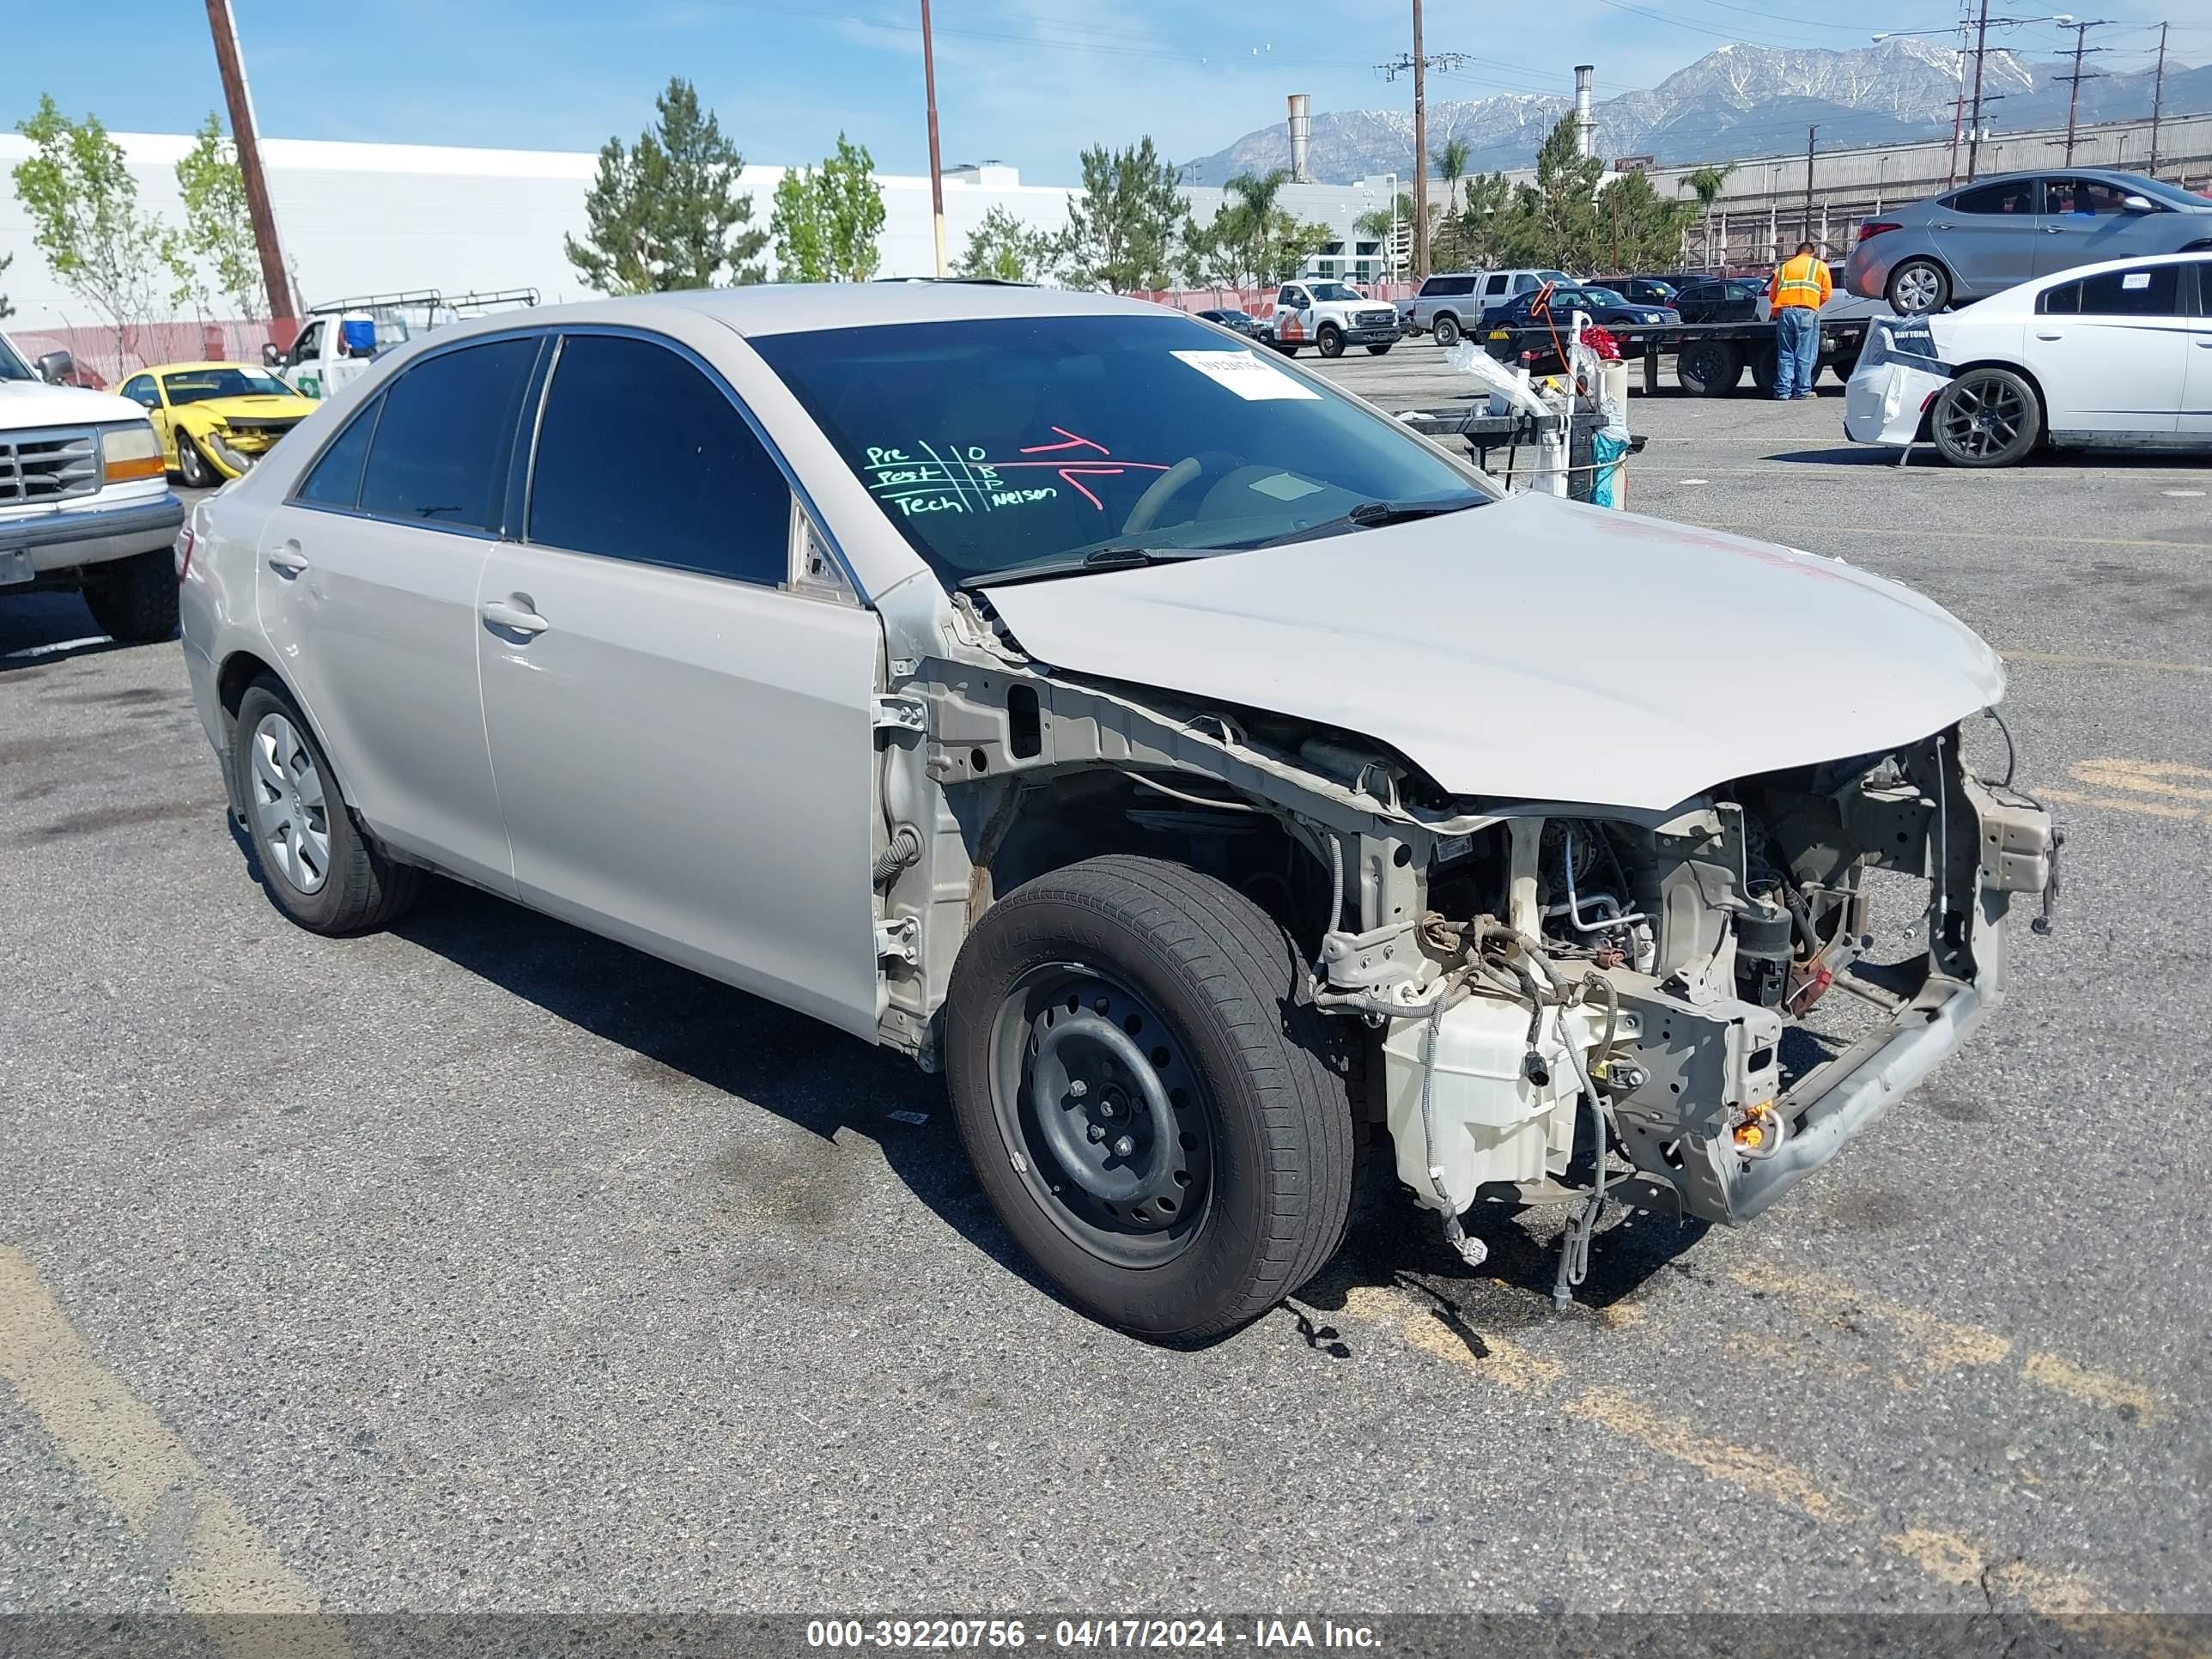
[(1737, 101)]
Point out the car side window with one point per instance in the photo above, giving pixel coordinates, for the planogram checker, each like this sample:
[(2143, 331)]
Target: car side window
[(2153, 291), (2081, 197), (1496, 285), (308, 345), (335, 479), (2203, 269), (2014, 196), (441, 452), (139, 388), (642, 456)]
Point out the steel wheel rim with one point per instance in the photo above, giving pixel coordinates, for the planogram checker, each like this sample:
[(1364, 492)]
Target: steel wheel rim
[(291, 810), (1101, 1115), (1705, 359), (1983, 416), (1916, 288)]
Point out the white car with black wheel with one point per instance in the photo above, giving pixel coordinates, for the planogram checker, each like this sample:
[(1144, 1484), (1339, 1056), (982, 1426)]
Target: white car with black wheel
[(2112, 355)]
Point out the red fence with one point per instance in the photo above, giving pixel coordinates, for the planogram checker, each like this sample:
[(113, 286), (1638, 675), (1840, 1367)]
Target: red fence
[(1260, 301), (111, 356)]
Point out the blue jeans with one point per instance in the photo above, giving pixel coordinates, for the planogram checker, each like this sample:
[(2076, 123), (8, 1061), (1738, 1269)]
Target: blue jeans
[(1796, 349)]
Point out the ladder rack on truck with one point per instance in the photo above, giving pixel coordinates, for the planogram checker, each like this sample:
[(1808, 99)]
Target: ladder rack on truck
[(1710, 358)]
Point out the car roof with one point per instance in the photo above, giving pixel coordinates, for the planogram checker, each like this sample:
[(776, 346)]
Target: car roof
[(766, 308), (2048, 173), (187, 368)]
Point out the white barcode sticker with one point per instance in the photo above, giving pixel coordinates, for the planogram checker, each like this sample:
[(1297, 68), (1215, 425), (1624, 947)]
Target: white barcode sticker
[(1247, 374), (2135, 279)]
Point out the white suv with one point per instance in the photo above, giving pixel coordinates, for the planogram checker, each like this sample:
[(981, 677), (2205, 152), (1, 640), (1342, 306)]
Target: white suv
[(85, 500)]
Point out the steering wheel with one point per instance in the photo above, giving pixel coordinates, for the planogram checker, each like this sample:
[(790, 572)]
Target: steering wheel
[(1172, 484)]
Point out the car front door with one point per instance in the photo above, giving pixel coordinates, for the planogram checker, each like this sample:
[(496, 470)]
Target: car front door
[(2085, 222), (2112, 351), (1990, 236), (302, 367), (367, 590), (1293, 325), (683, 738), (2196, 421)]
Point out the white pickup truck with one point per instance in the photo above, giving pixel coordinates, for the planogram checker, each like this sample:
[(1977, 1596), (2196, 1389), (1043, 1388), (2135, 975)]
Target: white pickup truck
[(1331, 316), (84, 499)]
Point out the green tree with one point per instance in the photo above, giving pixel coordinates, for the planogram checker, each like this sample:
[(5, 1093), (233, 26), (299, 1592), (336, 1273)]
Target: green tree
[(827, 219), (1450, 163), (668, 214), (1705, 185), (1122, 232), (6, 310), (1249, 216), (83, 207), (1553, 221), (218, 229), (1005, 247), (1639, 227), (1474, 236)]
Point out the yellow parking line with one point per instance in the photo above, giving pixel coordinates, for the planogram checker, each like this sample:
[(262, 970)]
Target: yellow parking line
[(1947, 1556), (2167, 778), (2148, 809), (224, 1566), (2140, 665)]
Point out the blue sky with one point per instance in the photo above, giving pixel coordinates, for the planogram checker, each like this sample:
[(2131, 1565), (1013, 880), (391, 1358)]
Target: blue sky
[(1028, 81)]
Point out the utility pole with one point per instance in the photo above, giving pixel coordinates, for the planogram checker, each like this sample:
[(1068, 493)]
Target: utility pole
[(2157, 100), (2073, 93), (1805, 235), (1419, 65), (1958, 111), (230, 64), (936, 165), (1974, 132)]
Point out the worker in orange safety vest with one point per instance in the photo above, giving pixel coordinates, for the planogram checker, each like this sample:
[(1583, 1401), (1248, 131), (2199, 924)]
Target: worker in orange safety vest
[(1800, 287)]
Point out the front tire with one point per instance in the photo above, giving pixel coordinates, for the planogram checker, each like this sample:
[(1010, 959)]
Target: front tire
[(1986, 417), (1157, 1116), (1446, 329), (1381, 348), (193, 467), (1917, 287), (134, 600), (1330, 339), (319, 866)]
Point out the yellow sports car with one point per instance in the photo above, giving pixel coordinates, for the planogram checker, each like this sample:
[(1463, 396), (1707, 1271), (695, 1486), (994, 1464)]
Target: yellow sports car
[(215, 420)]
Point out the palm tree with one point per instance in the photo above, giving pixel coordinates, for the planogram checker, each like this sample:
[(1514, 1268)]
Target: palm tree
[(1380, 224), (1255, 212), (1705, 185), (1450, 163)]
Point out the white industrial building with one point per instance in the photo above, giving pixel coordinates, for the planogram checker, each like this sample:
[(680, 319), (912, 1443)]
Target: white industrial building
[(380, 218)]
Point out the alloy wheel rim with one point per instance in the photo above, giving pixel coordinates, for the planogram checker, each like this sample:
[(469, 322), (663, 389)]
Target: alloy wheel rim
[(1916, 288), (1102, 1114), (1983, 416), (291, 810)]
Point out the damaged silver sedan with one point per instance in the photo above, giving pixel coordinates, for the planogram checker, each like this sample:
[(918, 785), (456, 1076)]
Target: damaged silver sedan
[(1214, 779)]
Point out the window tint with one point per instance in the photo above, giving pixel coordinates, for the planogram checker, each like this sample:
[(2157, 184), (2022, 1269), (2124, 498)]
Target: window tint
[(2081, 197), (139, 388), (335, 480), (441, 452), (1524, 283), (1497, 284), (2203, 269), (2015, 195), (640, 456), (2154, 291)]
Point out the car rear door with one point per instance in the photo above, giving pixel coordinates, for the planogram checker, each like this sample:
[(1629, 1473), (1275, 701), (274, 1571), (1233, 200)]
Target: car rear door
[(682, 736), (2112, 351), (367, 591), (1990, 236), (2196, 419)]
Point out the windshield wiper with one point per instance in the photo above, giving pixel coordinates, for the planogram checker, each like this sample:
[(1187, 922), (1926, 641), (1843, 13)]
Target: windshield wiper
[(1103, 558), (1370, 515)]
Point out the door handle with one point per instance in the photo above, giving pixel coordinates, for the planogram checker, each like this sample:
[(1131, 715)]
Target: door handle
[(2049, 337), (2054, 230), (517, 613), (1941, 224), (288, 561)]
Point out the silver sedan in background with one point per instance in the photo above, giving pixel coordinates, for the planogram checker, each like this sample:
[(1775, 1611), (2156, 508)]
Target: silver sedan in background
[(1994, 233)]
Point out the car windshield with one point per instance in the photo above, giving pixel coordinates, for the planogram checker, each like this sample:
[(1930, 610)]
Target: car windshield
[(996, 444), (195, 385), (13, 368), (1604, 296), (2157, 189), (1335, 291)]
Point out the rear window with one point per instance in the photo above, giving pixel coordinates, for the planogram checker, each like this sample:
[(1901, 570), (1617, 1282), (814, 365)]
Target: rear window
[(440, 451), (999, 442)]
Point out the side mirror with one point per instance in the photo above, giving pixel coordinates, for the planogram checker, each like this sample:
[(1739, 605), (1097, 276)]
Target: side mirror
[(2137, 205), (57, 368), (270, 357)]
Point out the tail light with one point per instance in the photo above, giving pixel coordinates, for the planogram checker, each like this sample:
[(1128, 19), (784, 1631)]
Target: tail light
[(1872, 227), (1602, 342)]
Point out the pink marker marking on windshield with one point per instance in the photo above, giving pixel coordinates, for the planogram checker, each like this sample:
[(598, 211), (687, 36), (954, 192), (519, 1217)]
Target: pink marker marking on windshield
[(1073, 442), (1075, 475)]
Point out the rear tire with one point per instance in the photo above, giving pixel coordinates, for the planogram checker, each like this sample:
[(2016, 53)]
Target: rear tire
[(1765, 369), (1287, 350), (1709, 368), (135, 599), (318, 865), (1917, 287), (1125, 1031), (1446, 329), (1986, 417)]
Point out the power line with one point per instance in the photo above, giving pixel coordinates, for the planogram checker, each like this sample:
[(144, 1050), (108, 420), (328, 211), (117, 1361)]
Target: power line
[(2074, 81)]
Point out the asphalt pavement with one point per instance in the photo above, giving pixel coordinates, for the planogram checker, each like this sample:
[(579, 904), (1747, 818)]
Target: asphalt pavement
[(485, 1264)]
